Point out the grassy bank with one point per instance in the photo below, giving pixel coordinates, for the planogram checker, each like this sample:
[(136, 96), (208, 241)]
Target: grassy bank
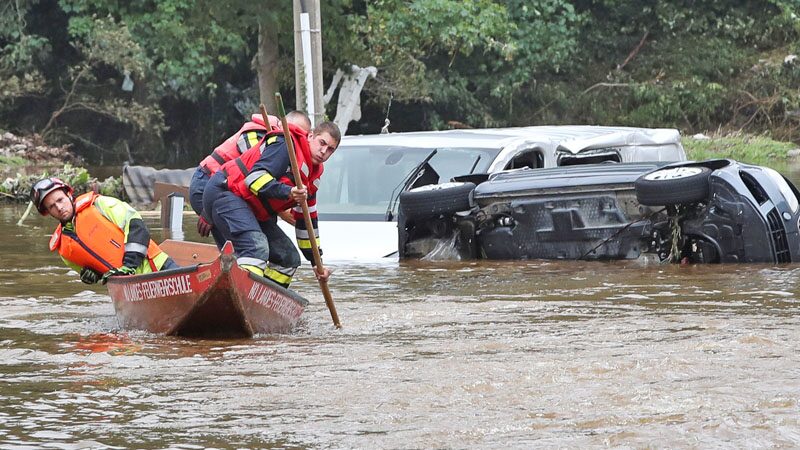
[(12, 161), (760, 150)]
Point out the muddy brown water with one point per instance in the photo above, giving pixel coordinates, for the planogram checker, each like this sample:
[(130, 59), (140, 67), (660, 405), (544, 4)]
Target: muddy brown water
[(432, 355)]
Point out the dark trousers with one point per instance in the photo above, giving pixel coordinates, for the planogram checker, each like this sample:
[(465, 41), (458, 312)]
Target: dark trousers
[(252, 240), (197, 188)]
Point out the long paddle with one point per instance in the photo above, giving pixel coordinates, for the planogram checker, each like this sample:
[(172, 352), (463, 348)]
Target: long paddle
[(323, 285)]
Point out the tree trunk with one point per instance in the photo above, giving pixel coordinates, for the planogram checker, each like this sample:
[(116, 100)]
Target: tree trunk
[(267, 65)]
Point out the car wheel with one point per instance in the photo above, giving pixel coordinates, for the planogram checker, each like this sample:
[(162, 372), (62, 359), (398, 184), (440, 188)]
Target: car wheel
[(435, 199), (673, 186)]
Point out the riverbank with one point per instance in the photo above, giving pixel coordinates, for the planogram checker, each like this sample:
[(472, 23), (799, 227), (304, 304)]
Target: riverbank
[(21, 151), (27, 159), (752, 149), (24, 160)]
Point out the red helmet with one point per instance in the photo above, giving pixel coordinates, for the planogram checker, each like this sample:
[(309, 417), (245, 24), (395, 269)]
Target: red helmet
[(43, 187)]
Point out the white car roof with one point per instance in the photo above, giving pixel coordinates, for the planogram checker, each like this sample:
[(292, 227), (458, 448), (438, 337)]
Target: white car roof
[(488, 137), (637, 144), (432, 139)]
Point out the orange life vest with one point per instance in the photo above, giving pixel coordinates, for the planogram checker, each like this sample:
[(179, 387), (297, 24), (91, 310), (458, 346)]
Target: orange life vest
[(228, 149), (97, 242), (237, 170)]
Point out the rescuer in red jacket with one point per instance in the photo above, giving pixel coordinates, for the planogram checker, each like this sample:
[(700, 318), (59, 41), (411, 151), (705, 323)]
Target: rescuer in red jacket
[(249, 135), (243, 199)]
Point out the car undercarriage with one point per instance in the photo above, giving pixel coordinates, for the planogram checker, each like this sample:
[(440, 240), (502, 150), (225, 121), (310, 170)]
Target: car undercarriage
[(700, 212)]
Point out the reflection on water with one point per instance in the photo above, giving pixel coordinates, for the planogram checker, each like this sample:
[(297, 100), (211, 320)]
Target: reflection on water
[(432, 355)]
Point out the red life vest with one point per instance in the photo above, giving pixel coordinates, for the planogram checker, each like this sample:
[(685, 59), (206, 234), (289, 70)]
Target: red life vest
[(238, 169), (97, 242), (228, 149)]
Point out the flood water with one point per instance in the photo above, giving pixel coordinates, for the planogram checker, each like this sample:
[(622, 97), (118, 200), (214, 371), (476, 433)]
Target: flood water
[(432, 355)]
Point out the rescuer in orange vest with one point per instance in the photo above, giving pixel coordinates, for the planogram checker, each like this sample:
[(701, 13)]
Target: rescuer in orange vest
[(98, 236), (244, 197), (249, 135)]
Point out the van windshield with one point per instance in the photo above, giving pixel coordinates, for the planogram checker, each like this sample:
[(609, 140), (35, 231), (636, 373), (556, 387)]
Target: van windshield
[(358, 180)]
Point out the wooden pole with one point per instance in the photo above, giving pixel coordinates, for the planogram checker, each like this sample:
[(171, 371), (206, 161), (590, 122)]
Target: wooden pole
[(298, 181)]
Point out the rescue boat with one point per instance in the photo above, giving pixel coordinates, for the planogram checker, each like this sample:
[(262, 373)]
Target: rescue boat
[(208, 296)]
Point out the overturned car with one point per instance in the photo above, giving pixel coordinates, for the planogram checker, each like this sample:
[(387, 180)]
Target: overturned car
[(711, 211)]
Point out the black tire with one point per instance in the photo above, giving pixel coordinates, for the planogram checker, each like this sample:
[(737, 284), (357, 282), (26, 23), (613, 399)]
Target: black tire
[(673, 186), (436, 199)]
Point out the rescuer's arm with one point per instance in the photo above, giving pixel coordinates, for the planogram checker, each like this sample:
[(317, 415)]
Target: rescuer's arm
[(137, 236), (301, 231), (262, 180)]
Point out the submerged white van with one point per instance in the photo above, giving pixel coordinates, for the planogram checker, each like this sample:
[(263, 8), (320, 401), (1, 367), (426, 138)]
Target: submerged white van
[(357, 200)]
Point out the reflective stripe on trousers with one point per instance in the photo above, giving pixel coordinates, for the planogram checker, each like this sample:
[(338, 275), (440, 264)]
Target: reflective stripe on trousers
[(279, 274)]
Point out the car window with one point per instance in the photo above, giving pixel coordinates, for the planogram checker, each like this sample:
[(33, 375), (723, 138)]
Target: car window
[(359, 180), (529, 159), (451, 161)]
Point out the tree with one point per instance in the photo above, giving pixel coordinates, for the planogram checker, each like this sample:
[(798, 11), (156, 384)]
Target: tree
[(182, 39), (80, 87), (202, 53), (104, 45), (20, 54), (456, 56), (200, 64)]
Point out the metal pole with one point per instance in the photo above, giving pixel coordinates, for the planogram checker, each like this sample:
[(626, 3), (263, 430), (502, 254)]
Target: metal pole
[(308, 65), (299, 85), (316, 60), (308, 59)]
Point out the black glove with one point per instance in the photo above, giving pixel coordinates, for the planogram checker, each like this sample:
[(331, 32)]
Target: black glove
[(132, 259), (90, 276), (124, 270)]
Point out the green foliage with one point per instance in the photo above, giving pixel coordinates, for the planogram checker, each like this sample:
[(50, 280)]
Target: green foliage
[(677, 103), (103, 40), (767, 97), (692, 65), (459, 55), (20, 54), (12, 161), (454, 97), (105, 46), (543, 40), (113, 187), (435, 33), (689, 64), (18, 188), (761, 23), (432, 27), (21, 49), (184, 40)]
